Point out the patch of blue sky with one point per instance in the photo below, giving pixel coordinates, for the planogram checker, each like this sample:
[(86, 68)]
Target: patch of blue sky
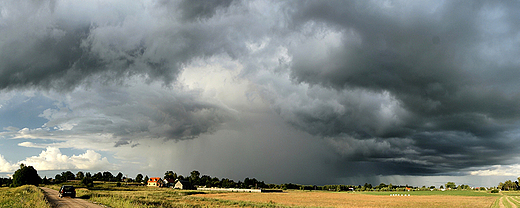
[(22, 111)]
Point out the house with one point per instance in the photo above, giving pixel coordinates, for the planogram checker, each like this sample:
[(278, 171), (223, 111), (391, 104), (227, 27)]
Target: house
[(181, 184), (168, 182), (155, 181)]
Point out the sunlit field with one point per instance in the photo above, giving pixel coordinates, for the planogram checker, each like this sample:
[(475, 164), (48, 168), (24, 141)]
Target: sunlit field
[(365, 199), (131, 196), (24, 196)]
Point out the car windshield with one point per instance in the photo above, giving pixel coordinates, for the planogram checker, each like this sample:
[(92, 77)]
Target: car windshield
[(68, 188)]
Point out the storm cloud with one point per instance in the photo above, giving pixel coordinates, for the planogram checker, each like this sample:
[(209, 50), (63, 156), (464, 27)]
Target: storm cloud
[(429, 73), (393, 87)]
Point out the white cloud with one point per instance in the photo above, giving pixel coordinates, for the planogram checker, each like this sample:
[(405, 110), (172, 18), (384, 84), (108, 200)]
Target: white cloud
[(52, 159), (28, 144), (5, 166), (498, 170)]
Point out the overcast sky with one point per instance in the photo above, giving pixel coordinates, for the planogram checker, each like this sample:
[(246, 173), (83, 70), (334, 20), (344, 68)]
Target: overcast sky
[(309, 92)]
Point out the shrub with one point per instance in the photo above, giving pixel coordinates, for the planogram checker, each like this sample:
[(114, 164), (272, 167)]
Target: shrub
[(88, 182), (495, 191)]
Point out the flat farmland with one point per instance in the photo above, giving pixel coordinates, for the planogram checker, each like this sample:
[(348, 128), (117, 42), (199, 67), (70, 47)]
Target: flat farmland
[(346, 199)]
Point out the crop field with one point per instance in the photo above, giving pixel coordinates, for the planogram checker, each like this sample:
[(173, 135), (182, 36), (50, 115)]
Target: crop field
[(112, 196), (381, 199), (508, 199)]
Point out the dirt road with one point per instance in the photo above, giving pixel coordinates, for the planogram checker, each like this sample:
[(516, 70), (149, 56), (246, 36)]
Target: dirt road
[(57, 202)]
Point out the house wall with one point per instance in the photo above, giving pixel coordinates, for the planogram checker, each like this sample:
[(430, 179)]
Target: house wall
[(178, 185)]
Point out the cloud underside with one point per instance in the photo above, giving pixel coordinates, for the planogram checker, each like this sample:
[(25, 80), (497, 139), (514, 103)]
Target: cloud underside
[(412, 88)]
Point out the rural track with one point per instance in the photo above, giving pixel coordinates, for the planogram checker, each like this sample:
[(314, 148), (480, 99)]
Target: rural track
[(66, 202)]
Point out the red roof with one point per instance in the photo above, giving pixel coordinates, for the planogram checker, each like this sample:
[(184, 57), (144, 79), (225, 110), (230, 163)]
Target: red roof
[(154, 179)]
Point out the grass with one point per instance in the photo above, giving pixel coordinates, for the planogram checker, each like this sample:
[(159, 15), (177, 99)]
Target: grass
[(23, 196)]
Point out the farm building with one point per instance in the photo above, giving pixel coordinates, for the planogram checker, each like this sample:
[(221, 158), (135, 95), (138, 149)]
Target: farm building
[(180, 184), (155, 181), (168, 182)]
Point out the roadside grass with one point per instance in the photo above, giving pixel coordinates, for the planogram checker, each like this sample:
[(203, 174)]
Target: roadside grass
[(23, 196)]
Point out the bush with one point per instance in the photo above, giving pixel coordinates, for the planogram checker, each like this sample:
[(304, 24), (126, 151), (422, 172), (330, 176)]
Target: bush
[(495, 191), (88, 182)]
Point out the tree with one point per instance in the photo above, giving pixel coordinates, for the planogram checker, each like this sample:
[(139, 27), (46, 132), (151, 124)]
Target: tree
[(107, 176), (80, 175), (6, 181), (98, 176), (87, 181), (139, 178), (88, 175), (68, 176), (508, 185), (194, 177), (58, 179), (26, 175), (146, 179), (44, 181), (451, 185), (170, 175), (119, 177)]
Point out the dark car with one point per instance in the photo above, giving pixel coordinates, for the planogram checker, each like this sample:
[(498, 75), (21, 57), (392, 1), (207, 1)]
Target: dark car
[(67, 191)]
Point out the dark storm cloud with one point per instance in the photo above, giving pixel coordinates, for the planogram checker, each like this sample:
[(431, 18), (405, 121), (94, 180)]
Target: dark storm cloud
[(59, 49), (200, 9), (66, 45), (122, 141), (451, 89), (444, 85), (396, 87)]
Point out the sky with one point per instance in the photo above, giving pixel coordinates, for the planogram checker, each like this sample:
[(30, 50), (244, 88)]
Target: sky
[(307, 92)]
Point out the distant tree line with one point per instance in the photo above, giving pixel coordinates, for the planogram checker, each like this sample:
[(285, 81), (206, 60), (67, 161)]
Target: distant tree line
[(205, 180), (509, 185), (5, 181), (99, 176)]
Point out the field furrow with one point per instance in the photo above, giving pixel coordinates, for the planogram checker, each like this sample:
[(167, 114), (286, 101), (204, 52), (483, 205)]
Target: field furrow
[(510, 204)]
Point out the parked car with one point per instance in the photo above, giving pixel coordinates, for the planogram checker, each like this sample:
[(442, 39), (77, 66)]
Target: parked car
[(67, 190)]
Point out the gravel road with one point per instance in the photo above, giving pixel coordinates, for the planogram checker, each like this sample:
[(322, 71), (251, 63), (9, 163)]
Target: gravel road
[(57, 202)]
